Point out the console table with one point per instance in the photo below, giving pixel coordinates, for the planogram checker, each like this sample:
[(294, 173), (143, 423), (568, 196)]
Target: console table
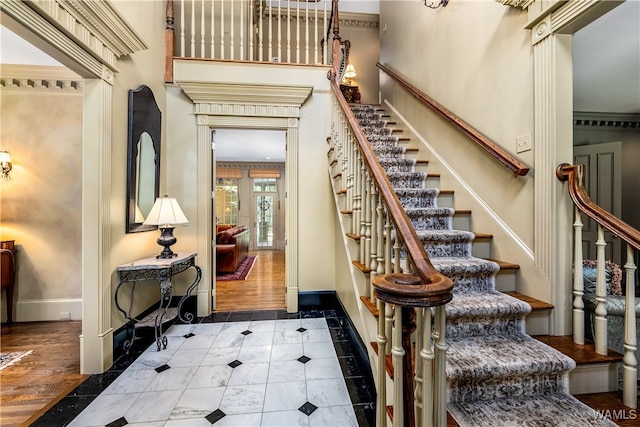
[(8, 273), (161, 270)]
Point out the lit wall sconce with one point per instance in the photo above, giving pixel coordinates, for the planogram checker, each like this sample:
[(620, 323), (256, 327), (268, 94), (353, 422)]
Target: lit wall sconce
[(349, 73), (5, 164), (166, 213), (435, 5)]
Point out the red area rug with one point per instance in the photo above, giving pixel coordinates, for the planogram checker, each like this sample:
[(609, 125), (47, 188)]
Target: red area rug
[(241, 272)]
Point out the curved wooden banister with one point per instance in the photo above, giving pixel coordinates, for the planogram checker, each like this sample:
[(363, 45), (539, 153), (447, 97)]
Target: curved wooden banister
[(574, 176), (513, 164), (428, 287)]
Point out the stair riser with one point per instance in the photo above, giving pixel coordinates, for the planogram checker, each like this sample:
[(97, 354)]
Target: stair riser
[(500, 388), (596, 378)]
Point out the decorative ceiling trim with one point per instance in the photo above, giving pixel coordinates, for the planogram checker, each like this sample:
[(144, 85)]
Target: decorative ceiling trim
[(95, 27), (250, 165), (522, 4), (608, 120), (347, 19), (255, 94), (13, 77)]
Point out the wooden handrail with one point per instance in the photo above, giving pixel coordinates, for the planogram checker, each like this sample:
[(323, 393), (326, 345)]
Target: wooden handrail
[(509, 161), (429, 288), (574, 176), (169, 35)]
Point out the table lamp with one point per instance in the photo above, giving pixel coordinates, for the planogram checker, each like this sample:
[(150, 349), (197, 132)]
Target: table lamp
[(166, 213)]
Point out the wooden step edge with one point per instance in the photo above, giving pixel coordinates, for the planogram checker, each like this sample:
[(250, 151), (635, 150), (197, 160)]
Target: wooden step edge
[(353, 236), (338, 175), (437, 175), (360, 266), (422, 162), (346, 212), (411, 150), (505, 265), (341, 192), (446, 191), (536, 304), (370, 305), (463, 212), (333, 162), (391, 123), (483, 236), (329, 140), (582, 354)]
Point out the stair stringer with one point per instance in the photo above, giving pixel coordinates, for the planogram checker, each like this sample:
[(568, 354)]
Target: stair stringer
[(505, 244)]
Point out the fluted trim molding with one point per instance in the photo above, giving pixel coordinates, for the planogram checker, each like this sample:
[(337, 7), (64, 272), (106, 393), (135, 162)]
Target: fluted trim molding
[(522, 4), (606, 120)]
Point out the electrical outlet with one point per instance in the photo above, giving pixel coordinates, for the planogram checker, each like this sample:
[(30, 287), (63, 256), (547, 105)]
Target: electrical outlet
[(65, 315), (524, 143)]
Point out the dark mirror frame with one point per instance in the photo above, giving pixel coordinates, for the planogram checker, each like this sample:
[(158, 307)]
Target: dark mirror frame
[(144, 116)]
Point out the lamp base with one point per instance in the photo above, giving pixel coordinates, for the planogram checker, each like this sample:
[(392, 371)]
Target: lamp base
[(165, 240)]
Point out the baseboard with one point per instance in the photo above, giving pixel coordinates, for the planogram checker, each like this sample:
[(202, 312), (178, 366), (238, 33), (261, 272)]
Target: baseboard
[(47, 310), (594, 378)]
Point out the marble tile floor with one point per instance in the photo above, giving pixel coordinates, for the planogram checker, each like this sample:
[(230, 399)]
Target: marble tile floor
[(263, 368)]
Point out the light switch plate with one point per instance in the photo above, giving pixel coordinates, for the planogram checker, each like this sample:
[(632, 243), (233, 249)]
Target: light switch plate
[(524, 143)]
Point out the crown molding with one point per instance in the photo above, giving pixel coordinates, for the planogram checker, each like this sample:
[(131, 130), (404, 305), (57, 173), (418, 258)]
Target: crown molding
[(522, 4), (254, 94), (250, 165), (39, 77), (608, 120)]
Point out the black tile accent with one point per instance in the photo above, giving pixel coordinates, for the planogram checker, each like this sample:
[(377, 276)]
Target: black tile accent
[(215, 416), (265, 315), (216, 317), (343, 348), (358, 390), (349, 366), (308, 408), (335, 322), (189, 335), (247, 332), (301, 330), (365, 414), (63, 412), (122, 421), (95, 384), (240, 316), (337, 334), (303, 359), (312, 314), (282, 315), (162, 368), (235, 363)]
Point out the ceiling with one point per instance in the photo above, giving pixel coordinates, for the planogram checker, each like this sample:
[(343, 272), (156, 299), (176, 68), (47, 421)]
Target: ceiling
[(606, 62)]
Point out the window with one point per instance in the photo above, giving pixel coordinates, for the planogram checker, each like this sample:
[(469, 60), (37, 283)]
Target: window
[(227, 205), (265, 185)]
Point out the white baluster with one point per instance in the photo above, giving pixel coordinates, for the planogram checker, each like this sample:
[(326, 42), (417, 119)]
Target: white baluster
[(440, 401), (202, 29), (419, 372), (298, 32), (388, 324), (288, 32), (578, 284), (213, 29), (601, 296), (252, 32), (182, 38), (426, 360), (373, 264), (222, 29), (242, 17), (364, 177), (366, 259), (192, 53), (397, 354), (630, 362), (381, 403), (326, 44), (279, 33), (260, 32), (232, 43), (270, 36), (387, 242)]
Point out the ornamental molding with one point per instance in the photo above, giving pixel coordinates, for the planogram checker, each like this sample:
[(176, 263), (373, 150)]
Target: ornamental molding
[(93, 33), (246, 99), (347, 19), (34, 78), (250, 165), (606, 120), (522, 4)]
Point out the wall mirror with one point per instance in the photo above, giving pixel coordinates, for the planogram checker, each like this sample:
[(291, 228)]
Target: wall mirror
[(143, 157)]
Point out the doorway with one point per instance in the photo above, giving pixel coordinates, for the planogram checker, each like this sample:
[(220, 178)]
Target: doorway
[(249, 172)]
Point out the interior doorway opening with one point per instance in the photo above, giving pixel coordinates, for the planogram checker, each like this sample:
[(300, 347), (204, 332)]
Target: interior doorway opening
[(249, 181)]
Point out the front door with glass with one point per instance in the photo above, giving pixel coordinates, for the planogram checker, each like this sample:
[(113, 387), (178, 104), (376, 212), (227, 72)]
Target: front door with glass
[(264, 200)]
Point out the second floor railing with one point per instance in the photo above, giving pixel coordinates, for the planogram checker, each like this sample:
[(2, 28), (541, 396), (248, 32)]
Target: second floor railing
[(574, 176)]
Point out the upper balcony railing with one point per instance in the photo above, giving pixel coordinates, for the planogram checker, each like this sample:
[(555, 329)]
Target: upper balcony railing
[(249, 30)]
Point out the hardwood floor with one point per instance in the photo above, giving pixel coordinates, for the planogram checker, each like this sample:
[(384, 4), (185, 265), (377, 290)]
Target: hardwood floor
[(263, 289), (40, 379)]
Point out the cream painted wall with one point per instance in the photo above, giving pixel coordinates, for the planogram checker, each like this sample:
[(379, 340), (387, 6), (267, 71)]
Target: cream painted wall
[(476, 59), (41, 205), (145, 67)]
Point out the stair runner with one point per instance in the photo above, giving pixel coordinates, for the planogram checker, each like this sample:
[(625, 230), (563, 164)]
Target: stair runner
[(497, 375)]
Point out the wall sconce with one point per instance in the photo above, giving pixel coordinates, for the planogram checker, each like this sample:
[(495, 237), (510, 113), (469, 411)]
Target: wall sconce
[(434, 5), (349, 74), (166, 213), (5, 164)]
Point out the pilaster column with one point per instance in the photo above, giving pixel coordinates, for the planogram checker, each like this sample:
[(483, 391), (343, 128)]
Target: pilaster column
[(205, 148), (291, 221)]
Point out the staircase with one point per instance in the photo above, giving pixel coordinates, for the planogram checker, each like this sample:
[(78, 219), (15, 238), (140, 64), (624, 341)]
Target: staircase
[(497, 375)]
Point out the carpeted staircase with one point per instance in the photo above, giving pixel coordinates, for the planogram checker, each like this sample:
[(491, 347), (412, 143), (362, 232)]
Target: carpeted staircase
[(497, 375)]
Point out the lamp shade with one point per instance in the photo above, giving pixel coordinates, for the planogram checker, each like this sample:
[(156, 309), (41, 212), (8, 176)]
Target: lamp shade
[(350, 72), (166, 211), (5, 157)]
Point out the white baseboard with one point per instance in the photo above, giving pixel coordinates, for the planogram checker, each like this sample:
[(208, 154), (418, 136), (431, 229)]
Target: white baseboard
[(42, 310)]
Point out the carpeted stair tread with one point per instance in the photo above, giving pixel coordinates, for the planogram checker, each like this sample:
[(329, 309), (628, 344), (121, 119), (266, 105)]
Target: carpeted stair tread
[(407, 179), (553, 410), (502, 356), (418, 197), (431, 218), (485, 304)]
